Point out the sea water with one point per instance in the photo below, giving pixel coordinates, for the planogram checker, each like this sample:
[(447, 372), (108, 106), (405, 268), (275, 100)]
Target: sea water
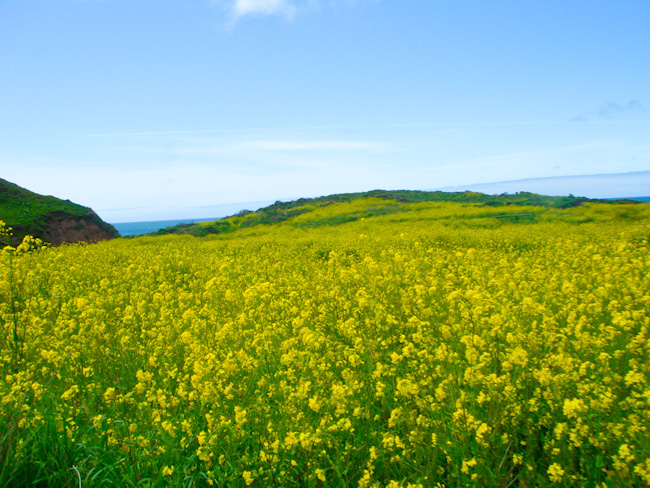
[(138, 228)]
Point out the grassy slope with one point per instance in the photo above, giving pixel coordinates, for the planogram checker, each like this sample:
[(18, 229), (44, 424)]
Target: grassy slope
[(299, 354), (29, 213), (378, 202)]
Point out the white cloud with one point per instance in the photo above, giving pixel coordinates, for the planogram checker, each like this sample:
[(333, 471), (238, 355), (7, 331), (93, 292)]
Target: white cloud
[(241, 8), (284, 8)]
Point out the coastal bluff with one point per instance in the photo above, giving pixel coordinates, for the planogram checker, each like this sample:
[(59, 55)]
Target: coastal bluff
[(49, 218)]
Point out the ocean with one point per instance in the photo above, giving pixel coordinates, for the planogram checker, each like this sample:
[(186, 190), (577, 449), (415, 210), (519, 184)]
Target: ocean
[(138, 228)]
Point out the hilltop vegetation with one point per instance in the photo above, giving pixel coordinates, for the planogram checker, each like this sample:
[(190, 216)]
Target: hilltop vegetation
[(333, 210), (49, 218), (449, 344)]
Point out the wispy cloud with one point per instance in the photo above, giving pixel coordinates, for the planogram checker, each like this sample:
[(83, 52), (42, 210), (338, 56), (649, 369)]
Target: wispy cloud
[(266, 152), (241, 8), (283, 8), (193, 132), (307, 128), (284, 145), (612, 111)]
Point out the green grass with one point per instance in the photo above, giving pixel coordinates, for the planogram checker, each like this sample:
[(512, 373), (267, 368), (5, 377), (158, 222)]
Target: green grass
[(29, 213), (377, 202), (21, 207)]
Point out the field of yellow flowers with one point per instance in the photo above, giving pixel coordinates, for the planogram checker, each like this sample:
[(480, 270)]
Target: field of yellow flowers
[(438, 346)]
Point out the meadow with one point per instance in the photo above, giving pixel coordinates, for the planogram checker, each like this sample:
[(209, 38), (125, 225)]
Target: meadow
[(433, 345)]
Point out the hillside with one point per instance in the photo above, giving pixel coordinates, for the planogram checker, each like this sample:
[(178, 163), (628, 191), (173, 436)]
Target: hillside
[(49, 218), (364, 343), (348, 207)]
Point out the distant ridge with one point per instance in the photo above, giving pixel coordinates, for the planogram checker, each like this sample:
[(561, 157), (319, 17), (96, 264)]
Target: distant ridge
[(607, 186), (637, 199), (49, 218), (282, 211)]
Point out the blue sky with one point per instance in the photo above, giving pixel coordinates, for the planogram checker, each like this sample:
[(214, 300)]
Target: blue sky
[(148, 110)]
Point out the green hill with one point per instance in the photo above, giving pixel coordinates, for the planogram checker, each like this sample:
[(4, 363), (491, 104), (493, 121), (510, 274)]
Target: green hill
[(369, 204), (49, 218)]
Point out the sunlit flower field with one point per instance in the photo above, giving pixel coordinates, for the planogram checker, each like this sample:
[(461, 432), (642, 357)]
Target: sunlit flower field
[(443, 346)]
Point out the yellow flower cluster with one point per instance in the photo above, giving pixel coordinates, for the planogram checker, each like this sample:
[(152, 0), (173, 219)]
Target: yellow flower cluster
[(433, 347)]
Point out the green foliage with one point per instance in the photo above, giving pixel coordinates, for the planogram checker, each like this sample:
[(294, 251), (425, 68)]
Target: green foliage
[(19, 206), (201, 229), (348, 207), (31, 214)]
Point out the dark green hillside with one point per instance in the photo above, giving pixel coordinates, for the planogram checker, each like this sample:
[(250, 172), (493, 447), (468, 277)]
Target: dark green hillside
[(49, 218)]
